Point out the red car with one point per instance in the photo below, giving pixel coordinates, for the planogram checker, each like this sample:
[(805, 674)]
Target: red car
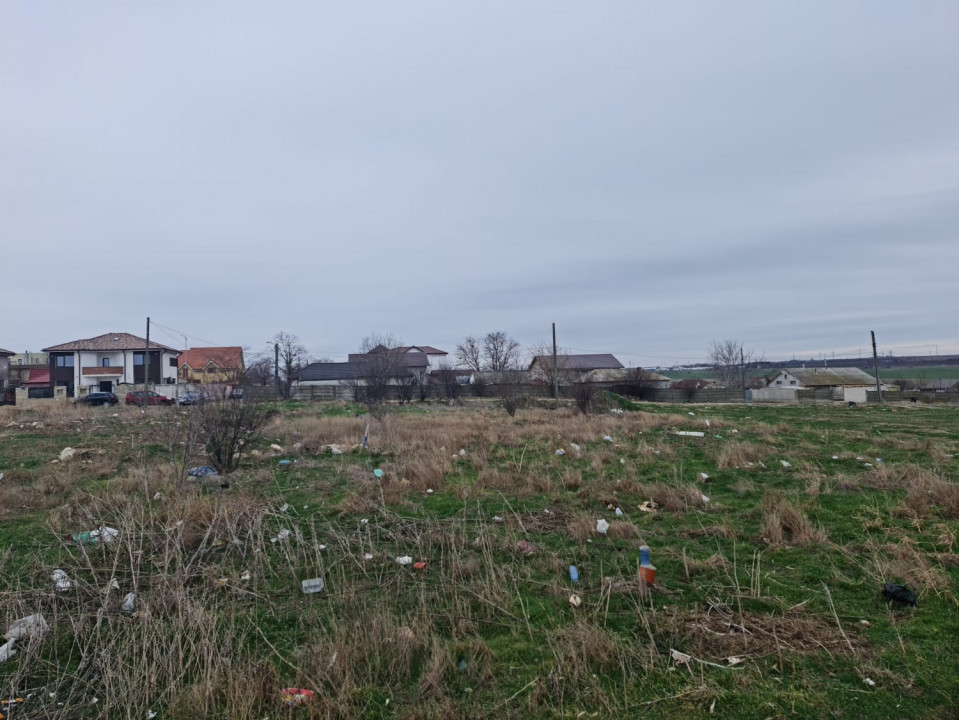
[(147, 397)]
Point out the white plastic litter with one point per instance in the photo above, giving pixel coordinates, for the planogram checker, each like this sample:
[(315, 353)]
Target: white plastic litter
[(691, 414), (367, 556), (870, 682), (311, 586), (129, 602), (785, 464), (462, 452), (284, 534), (404, 560), (67, 453), (30, 626), (285, 507), (619, 512), (575, 448), (276, 448), (690, 433), (61, 579), (835, 457), (245, 575), (7, 651), (703, 476), (561, 452), (602, 526), (497, 519), (364, 521), (607, 439), (575, 600), (705, 499), (707, 422)]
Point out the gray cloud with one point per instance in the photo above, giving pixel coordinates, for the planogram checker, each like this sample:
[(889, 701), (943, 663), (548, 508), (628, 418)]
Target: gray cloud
[(649, 177)]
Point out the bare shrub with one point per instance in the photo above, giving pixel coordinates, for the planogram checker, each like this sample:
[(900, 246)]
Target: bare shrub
[(738, 455)]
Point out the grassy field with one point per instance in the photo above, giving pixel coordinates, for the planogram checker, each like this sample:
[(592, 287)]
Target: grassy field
[(767, 600)]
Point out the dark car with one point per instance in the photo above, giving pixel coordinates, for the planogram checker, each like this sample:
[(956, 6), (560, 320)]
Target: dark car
[(99, 398), (192, 398), (147, 397)]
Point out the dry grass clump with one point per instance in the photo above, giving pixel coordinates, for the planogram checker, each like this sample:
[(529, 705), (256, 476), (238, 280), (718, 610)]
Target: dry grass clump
[(738, 455), (905, 562), (673, 498), (659, 451), (929, 494), (785, 524)]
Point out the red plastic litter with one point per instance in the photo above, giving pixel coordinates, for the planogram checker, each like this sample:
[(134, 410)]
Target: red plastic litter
[(419, 565), (297, 696)]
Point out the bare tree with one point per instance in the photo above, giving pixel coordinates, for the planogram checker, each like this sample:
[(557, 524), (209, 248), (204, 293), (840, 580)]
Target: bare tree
[(500, 352), (639, 383), (382, 366), (259, 371), (293, 358), (448, 381), (509, 383), (728, 358), (584, 393), (470, 354), (542, 369)]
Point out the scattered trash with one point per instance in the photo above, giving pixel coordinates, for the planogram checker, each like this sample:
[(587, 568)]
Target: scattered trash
[(285, 507), (703, 476), (785, 464), (378, 473), (869, 681), (733, 660), (835, 457), (311, 586), (112, 585), (296, 696), (158, 495), (690, 433), (691, 414), (61, 579), (462, 452), (419, 565), (7, 651), (858, 458), (404, 560), (878, 461), (276, 448), (94, 537), (867, 464), (704, 498), (648, 506), (680, 658), (429, 491), (575, 448), (364, 521), (864, 622), (129, 602), (707, 422), (245, 576), (622, 461), (202, 471), (497, 519), (336, 450), (1, 476), (647, 571), (31, 626), (734, 431), (719, 437), (575, 600), (619, 512), (67, 453), (287, 463), (280, 536), (561, 452), (462, 665), (607, 439), (899, 593), (602, 526), (524, 547), (573, 573), (367, 556)]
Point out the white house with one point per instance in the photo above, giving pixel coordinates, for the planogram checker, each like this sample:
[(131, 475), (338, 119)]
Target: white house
[(848, 383), (104, 362)]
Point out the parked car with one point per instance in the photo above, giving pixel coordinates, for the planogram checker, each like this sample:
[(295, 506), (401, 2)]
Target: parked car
[(192, 398), (99, 398), (147, 397)]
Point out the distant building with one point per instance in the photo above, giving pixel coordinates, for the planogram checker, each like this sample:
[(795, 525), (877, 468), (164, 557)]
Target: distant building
[(848, 383), (941, 386), (211, 365)]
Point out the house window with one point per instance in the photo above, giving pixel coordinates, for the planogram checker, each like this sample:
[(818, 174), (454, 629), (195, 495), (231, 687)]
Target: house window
[(172, 362), (210, 370), (19, 361), (138, 359), (64, 361), (792, 382), (105, 362), (779, 382), (36, 361)]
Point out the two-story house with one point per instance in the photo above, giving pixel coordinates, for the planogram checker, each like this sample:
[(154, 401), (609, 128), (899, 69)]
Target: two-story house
[(211, 365), (107, 361)]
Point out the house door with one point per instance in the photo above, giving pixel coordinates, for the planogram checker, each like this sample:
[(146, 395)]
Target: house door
[(106, 386)]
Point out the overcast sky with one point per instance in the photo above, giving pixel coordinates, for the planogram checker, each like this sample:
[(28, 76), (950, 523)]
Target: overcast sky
[(649, 176)]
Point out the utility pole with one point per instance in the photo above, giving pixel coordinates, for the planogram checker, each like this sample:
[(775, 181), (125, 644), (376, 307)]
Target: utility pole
[(146, 358), (875, 359), (276, 365), (555, 375), (742, 367)]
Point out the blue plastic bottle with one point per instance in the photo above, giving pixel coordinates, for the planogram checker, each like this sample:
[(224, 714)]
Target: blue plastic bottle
[(573, 573)]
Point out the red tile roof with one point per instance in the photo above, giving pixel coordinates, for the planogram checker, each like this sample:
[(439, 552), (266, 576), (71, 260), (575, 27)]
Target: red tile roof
[(110, 341), (38, 376), (225, 358)]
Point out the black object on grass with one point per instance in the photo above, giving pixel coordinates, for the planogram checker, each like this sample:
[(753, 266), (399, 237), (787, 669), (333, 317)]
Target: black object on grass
[(899, 593)]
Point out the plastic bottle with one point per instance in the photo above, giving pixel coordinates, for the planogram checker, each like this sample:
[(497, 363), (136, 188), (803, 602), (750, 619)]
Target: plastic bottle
[(573, 573), (647, 570)]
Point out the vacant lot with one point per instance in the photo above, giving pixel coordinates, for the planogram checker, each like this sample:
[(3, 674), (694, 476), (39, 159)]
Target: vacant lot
[(772, 536)]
